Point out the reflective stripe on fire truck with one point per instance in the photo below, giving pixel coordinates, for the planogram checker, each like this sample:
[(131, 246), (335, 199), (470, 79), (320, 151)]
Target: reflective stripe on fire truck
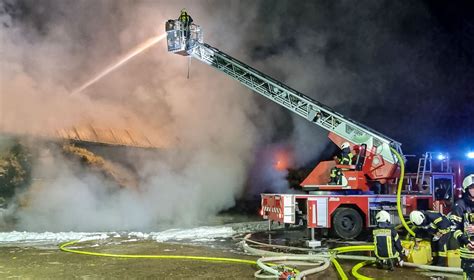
[(314, 214), (272, 209)]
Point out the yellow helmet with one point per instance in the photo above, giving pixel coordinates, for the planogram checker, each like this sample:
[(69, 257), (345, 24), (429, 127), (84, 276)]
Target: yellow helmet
[(183, 11)]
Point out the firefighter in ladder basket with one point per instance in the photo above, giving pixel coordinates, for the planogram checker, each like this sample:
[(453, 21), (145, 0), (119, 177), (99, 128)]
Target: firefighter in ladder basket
[(186, 21)]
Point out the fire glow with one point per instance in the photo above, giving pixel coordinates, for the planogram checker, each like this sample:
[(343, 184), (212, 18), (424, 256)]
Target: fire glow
[(283, 160)]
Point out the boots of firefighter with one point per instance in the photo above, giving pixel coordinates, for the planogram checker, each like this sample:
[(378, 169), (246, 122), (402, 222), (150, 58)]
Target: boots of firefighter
[(379, 264), (442, 259), (391, 264)]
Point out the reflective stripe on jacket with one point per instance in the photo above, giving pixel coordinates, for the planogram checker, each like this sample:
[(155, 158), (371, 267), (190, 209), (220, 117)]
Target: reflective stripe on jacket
[(386, 242)]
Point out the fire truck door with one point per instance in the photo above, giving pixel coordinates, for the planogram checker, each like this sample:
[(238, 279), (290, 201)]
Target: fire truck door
[(288, 209), (317, 212)]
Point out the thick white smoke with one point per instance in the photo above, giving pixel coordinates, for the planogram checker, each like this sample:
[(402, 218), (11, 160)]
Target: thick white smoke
[(204, 119), (212, 124)]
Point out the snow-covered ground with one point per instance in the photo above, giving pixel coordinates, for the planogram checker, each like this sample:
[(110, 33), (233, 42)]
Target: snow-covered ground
[(199, 234), (203, 234)]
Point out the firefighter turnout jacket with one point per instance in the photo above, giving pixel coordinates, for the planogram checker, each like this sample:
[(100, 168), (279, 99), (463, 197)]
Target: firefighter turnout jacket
[(459, 209), (346, 157), (439, 227), (435, 223), (185, 18), (464, 237), (386, 241)]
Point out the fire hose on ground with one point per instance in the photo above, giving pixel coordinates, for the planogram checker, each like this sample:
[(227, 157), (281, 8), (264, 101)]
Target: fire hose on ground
[(321, 260), (340, 253), (64, 247), (323, 263)]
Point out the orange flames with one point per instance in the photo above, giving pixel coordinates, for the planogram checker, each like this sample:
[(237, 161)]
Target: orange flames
[(283, 160)]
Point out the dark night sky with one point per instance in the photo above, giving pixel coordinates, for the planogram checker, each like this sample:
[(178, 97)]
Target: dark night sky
[(410, 63), (413, 64)]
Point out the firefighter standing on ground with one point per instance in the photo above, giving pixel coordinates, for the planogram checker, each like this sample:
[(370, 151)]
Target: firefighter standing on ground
[(388, 247), (437, 225), (463, 217)]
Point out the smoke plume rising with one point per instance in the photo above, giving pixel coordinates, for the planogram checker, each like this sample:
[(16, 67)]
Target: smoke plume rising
[(52, 47), (366, 61)]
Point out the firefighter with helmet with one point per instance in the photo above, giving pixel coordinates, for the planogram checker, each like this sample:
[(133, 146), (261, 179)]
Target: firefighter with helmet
[(345, 158), (439, 227), (463, 217), (346, 155), (186, 20), (388, 247)]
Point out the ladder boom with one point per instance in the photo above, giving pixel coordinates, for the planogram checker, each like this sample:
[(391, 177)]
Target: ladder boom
[(278, 92)]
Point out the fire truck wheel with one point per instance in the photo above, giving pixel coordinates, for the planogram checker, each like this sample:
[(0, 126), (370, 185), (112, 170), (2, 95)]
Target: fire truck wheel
[(346, 223)]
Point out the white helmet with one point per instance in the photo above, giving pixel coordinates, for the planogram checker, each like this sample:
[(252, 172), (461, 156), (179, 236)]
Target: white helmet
[(383, 217), (417, 217), (468, 182), (345, 145)]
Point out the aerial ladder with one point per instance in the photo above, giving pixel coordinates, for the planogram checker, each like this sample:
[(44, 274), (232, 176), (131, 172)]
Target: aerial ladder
[(348, 206), (376, 161)]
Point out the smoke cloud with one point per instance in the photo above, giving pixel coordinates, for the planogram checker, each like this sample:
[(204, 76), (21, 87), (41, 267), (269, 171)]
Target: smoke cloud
[(364, 61), (52, 47)]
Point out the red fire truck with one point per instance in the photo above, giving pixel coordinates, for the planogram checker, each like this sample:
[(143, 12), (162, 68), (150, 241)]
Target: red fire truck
[(348, 207), (347, 212)]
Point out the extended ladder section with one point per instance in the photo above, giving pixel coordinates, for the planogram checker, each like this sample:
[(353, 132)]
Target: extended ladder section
[(424, 166), (274, 90)]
